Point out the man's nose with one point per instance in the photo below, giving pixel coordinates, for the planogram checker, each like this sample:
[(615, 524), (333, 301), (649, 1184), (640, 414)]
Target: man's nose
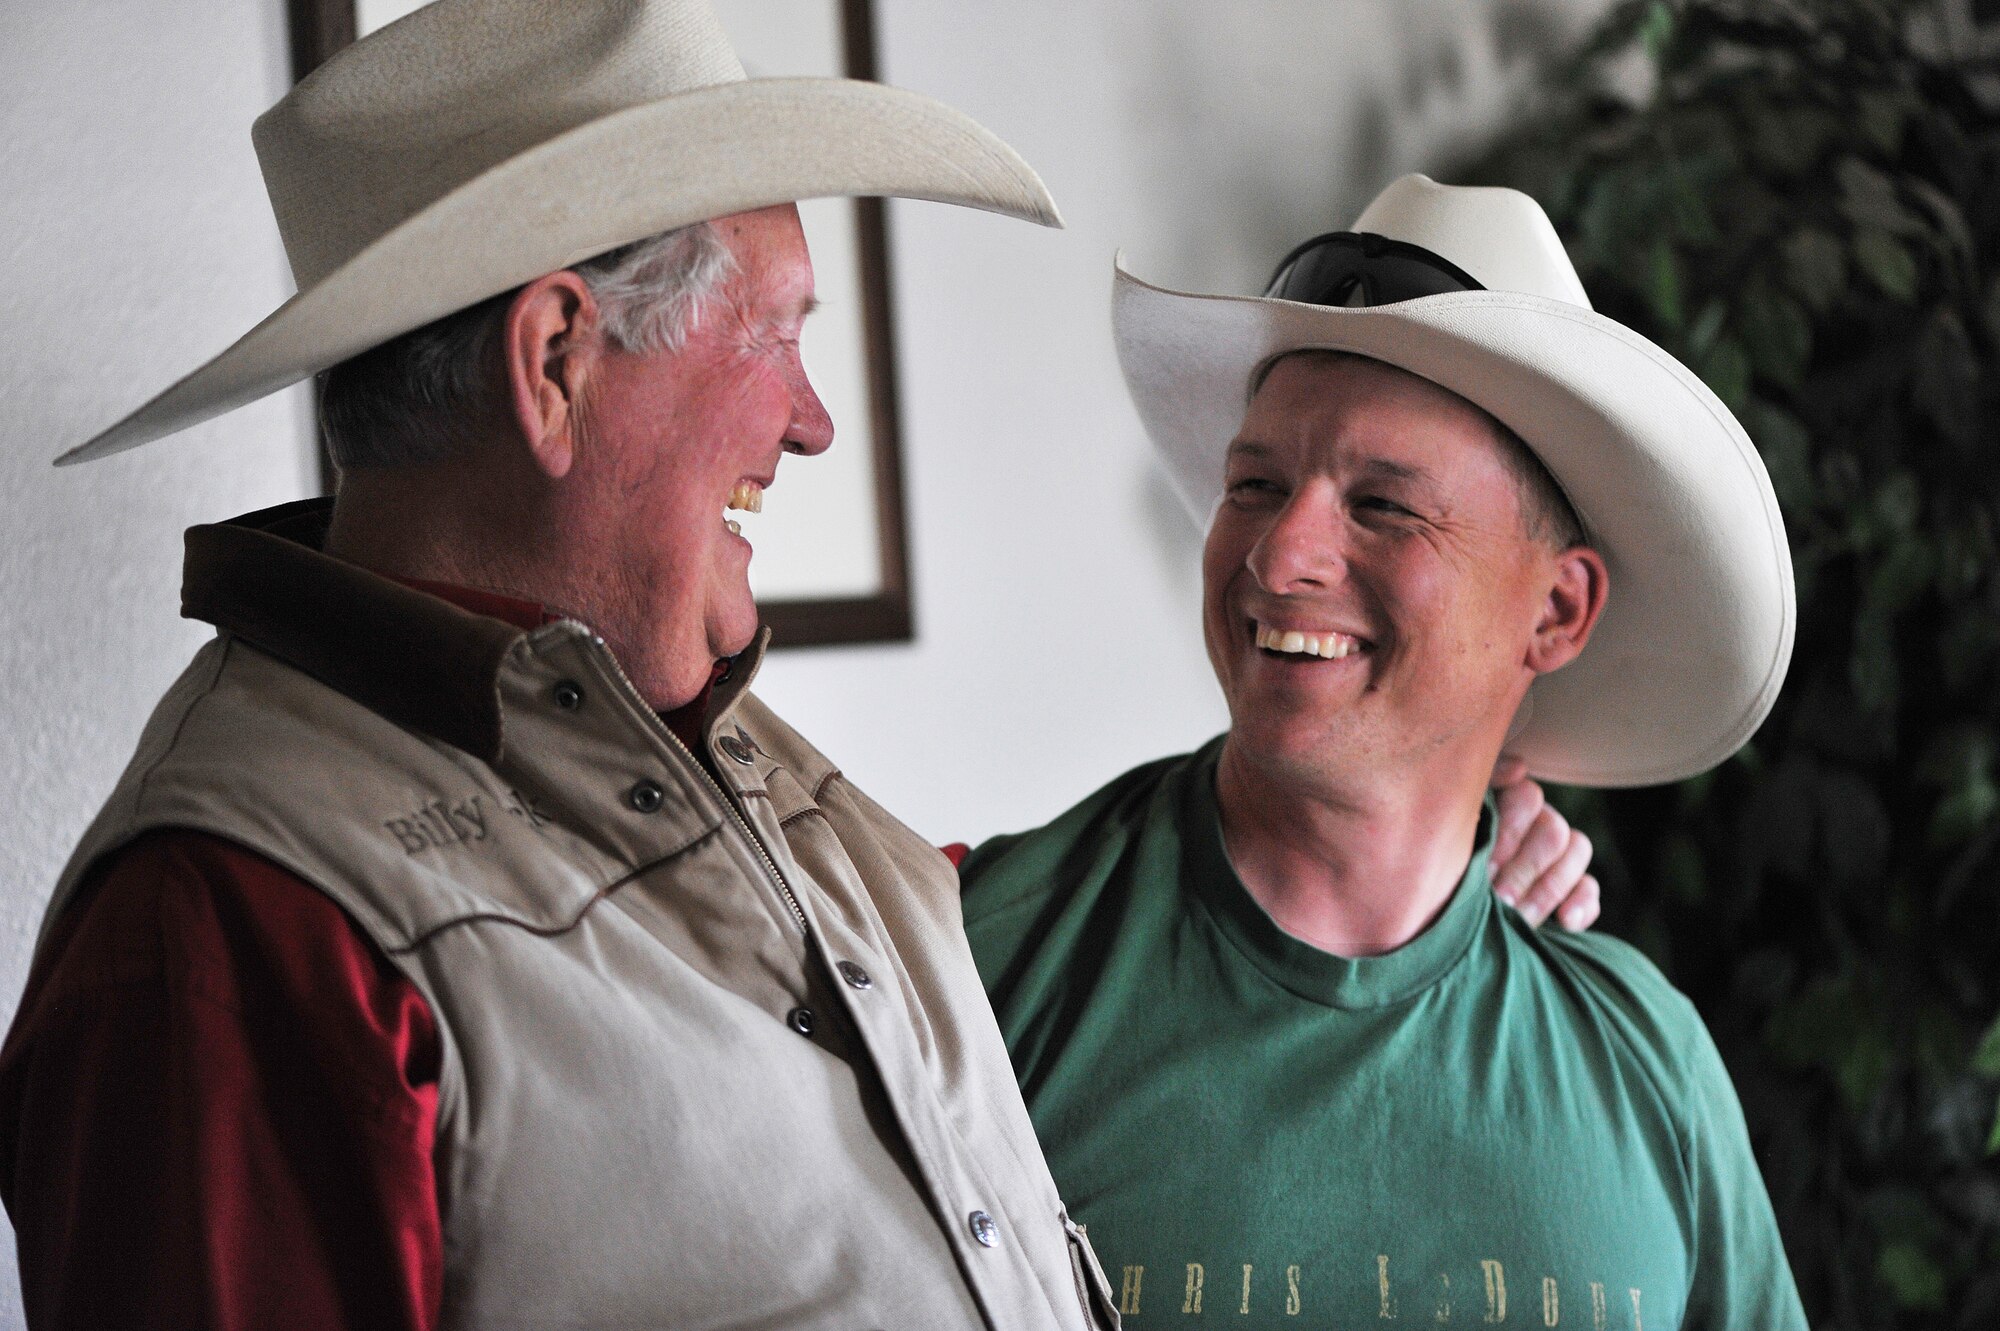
[(811, 429), (1302, 549)]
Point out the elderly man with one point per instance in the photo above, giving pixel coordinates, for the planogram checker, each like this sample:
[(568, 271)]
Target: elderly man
[(441, 961), (1291, 1063)]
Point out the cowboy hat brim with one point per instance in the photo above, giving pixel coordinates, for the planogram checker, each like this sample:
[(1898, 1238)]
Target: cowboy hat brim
[(1696, 635), (706, 153)]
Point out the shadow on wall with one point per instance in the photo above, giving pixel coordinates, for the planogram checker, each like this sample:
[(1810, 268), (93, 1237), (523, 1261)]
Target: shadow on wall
[(1348, 96)]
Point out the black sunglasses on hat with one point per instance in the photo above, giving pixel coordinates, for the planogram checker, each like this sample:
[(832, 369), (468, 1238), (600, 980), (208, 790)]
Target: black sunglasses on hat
[(1355, 268)]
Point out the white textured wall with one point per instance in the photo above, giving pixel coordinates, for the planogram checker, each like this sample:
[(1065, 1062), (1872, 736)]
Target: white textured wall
[(1056, 588), (134, 240)]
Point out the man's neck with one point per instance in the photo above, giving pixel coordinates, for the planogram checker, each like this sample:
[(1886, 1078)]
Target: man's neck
[(431, 523), (1356, 872), (450, 524)]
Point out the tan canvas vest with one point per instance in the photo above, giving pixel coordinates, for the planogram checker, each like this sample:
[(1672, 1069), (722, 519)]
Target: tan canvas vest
[(712, 1057)]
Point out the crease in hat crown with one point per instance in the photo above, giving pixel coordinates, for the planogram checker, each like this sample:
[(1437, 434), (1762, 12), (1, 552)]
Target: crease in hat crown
[(1498, 235), (390, 124)]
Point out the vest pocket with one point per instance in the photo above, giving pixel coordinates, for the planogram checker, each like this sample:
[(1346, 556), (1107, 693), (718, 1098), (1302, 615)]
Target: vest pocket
[(1093, 1290)]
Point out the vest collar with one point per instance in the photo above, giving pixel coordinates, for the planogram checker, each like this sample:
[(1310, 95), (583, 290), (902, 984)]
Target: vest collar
[(411, 657)]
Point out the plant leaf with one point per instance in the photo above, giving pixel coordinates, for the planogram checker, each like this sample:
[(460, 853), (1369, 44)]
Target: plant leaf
[(1871, 667), (1964, 813), (1868, 199), (1727, 370), (1883, 115), (1945, 386), (1986, 1058), (1949, 216), (1786, 447), (1657, 30), (1886, 262), (1776, 333), (1815, 266), (1663, 283), (1916, 1281)]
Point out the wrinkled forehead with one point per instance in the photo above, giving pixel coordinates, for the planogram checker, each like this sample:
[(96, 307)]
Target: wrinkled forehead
[(770, 253)]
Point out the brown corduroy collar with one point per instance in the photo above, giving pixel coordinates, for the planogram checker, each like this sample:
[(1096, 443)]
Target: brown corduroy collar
[(418, 661)]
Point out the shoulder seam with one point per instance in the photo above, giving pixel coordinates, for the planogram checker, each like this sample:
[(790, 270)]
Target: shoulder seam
[(228, 646)]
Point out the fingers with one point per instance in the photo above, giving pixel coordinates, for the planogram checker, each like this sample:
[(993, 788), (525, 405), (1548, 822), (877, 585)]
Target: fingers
[(1581, 910), (1521, 803), (1558, 883), (1541, 846), (1508, 770)]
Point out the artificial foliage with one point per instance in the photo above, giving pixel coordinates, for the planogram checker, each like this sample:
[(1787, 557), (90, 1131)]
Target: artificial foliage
[(1804, 206)]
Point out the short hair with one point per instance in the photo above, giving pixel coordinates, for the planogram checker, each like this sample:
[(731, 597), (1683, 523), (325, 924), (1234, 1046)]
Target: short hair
[(425, 396), (1546, 512), (1545, 509)]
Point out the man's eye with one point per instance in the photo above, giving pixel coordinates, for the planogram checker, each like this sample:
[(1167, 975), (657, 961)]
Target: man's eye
[(1378, 504)]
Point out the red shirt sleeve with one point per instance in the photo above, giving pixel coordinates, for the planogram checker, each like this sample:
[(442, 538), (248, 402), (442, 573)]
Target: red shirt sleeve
[(218, 1106)]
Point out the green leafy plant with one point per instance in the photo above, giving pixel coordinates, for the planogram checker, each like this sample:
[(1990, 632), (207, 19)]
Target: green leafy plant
[(1805, 208)]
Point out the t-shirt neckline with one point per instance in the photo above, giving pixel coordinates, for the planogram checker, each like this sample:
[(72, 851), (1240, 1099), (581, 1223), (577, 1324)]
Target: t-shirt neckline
[(1352, 983)]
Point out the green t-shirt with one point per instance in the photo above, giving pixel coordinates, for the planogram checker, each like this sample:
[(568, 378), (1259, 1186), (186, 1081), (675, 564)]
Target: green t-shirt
[(1488, 1126)]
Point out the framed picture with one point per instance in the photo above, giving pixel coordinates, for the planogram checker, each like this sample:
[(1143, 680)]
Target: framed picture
[(831, 563)]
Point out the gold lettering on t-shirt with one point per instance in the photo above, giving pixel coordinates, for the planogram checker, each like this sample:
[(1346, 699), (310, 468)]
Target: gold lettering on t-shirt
[(1444, 1297), (1128, 1291), (1291, 1291), (1246, 1289), (1496, 1289), (1638, 1322), (1598, 1319), (1192, 1303), (1388, 1313), (1551, 1302)]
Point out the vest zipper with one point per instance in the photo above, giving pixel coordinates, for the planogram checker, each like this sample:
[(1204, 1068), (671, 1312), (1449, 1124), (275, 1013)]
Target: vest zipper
[(763, 852), (743, 822)]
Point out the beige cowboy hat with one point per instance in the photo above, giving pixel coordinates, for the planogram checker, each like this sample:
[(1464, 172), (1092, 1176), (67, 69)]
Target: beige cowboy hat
[(478, 144), (1694, 641)]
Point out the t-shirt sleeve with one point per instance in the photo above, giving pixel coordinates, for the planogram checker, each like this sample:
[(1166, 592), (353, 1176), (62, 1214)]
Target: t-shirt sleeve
[(218, 1106), (1742, 1280)]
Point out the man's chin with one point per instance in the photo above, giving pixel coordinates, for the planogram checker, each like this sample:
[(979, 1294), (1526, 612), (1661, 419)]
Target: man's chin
[(1298, 752), (733, 630)]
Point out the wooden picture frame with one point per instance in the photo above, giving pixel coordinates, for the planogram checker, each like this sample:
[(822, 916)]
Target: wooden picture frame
[(879, 614)]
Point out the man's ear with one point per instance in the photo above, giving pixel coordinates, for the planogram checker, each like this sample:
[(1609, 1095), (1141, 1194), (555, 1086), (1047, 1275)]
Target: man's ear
[(1570, 610), (550, 344)]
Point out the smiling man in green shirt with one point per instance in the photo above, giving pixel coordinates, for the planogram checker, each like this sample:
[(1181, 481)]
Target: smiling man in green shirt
[(1292, 1063)]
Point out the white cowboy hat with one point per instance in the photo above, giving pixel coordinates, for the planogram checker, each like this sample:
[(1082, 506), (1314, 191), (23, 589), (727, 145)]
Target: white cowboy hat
[(479, 144), (1695, 638)]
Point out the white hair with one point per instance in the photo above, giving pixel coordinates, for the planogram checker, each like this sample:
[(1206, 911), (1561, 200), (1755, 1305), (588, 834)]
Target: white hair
[(422, 396)]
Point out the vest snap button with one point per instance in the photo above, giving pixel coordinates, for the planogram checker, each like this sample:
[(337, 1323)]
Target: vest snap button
[(646, 796), (984, 1228), (854, 975), (734, 747), (801, 1020), (568, 694)]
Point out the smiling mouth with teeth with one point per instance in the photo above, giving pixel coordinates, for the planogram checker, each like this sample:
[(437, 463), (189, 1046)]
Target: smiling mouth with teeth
[(1293, 642), (746, 497)]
